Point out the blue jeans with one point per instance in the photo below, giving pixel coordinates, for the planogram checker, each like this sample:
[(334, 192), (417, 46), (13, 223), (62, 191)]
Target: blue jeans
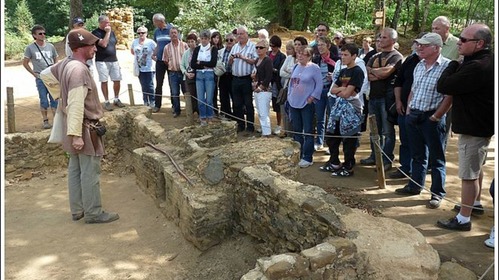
[(147, 85), (44, 95), (385, 128), (426, 138), (205, 87), (321, 107), (404, 149), (303, 123), (175, 81)]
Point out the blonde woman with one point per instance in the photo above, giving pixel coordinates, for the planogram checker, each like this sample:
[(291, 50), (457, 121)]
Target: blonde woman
[(262, 91), (142, 49)]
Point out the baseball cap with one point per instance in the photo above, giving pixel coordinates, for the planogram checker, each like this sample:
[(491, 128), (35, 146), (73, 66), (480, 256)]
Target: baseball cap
[(78, 20), (80, 38), (430, 39)]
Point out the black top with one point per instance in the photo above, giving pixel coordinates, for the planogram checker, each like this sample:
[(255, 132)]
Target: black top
[(202, 64), (277, 63), (379, 88), (264, 73), (405, 77), (471, 84), (107, 54)]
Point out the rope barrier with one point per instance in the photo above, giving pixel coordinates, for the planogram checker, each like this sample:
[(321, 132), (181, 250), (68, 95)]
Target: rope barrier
[(429, 190)]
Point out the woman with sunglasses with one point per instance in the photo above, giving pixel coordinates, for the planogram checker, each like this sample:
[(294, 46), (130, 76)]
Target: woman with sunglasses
[(305, 88), (262, 91), (143, 64), (225, 81)]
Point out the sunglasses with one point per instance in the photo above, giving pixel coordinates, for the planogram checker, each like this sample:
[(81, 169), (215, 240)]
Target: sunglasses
[(259, 47), (42, 33), (465, 40), (141, 33), (336, 38), (229, 40), (321, 30)]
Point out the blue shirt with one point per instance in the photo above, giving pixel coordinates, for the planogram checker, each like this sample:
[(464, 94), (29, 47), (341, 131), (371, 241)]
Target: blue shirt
[(162, 38)]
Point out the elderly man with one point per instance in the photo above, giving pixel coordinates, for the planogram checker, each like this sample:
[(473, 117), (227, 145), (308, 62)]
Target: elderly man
[(242, 58), (425, 121), (471, 83), (172, 56), (106, 62), (162, 38), (81, 111), (441, 26)]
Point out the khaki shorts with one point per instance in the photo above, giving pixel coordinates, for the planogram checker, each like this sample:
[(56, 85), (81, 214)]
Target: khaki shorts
[(472, 156), (108, 70)]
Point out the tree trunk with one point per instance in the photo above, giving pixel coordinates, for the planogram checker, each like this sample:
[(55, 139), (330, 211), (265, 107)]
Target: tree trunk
[(285, 13), (306, 19), (396, 15), (416, 23), (75, 10), (426, 11)]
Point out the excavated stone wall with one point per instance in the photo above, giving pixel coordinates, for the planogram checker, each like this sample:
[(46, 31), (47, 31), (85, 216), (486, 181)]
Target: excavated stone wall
[(211, 186)]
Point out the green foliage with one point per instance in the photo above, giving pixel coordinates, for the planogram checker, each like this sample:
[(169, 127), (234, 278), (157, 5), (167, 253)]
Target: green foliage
[(52, 14), (22, 20), (223, 15), (15, 44)]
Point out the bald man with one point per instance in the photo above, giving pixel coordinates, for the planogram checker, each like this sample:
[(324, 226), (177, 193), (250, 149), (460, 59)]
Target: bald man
[(471, 83)]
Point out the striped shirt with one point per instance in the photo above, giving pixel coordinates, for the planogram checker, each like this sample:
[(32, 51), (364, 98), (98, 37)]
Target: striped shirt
[(172, 55), (424, 88), (240, 67)]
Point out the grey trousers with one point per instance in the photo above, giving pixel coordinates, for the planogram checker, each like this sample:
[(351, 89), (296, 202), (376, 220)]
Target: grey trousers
[(83, 185)]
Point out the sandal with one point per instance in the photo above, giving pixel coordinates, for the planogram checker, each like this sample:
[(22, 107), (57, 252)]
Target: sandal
[(329, 167), (342, 173)]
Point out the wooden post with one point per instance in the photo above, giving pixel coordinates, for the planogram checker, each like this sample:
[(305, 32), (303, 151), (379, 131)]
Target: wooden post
[(188, 107), (11, 115), (380, 170), (130, 94)]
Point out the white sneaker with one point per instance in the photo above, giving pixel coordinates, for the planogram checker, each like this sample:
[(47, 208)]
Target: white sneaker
[(303, 163), (490, 242), (317, 147), (277, 130)]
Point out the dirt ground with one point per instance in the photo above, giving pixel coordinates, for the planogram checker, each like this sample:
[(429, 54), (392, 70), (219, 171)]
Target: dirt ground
[(41, 241)]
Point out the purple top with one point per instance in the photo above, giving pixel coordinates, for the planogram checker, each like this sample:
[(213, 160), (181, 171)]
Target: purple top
[(305, 81)]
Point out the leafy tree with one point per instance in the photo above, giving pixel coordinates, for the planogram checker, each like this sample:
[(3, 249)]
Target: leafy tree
[(23, 19), (222, 15)]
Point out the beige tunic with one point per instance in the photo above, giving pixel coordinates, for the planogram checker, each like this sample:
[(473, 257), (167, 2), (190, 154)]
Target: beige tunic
[(80, 103)]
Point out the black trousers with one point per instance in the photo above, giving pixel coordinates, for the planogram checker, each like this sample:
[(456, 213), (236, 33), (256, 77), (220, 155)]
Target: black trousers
[(243, 103), (225, 86), (161, 69)]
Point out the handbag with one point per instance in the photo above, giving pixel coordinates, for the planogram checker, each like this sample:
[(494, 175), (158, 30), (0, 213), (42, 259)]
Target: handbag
[(282, 96), (56, 134), (136, 70), (219, 68)]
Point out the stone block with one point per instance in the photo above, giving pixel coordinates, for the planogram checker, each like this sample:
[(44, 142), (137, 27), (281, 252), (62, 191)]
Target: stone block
[(452, 270), (320, 255)]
